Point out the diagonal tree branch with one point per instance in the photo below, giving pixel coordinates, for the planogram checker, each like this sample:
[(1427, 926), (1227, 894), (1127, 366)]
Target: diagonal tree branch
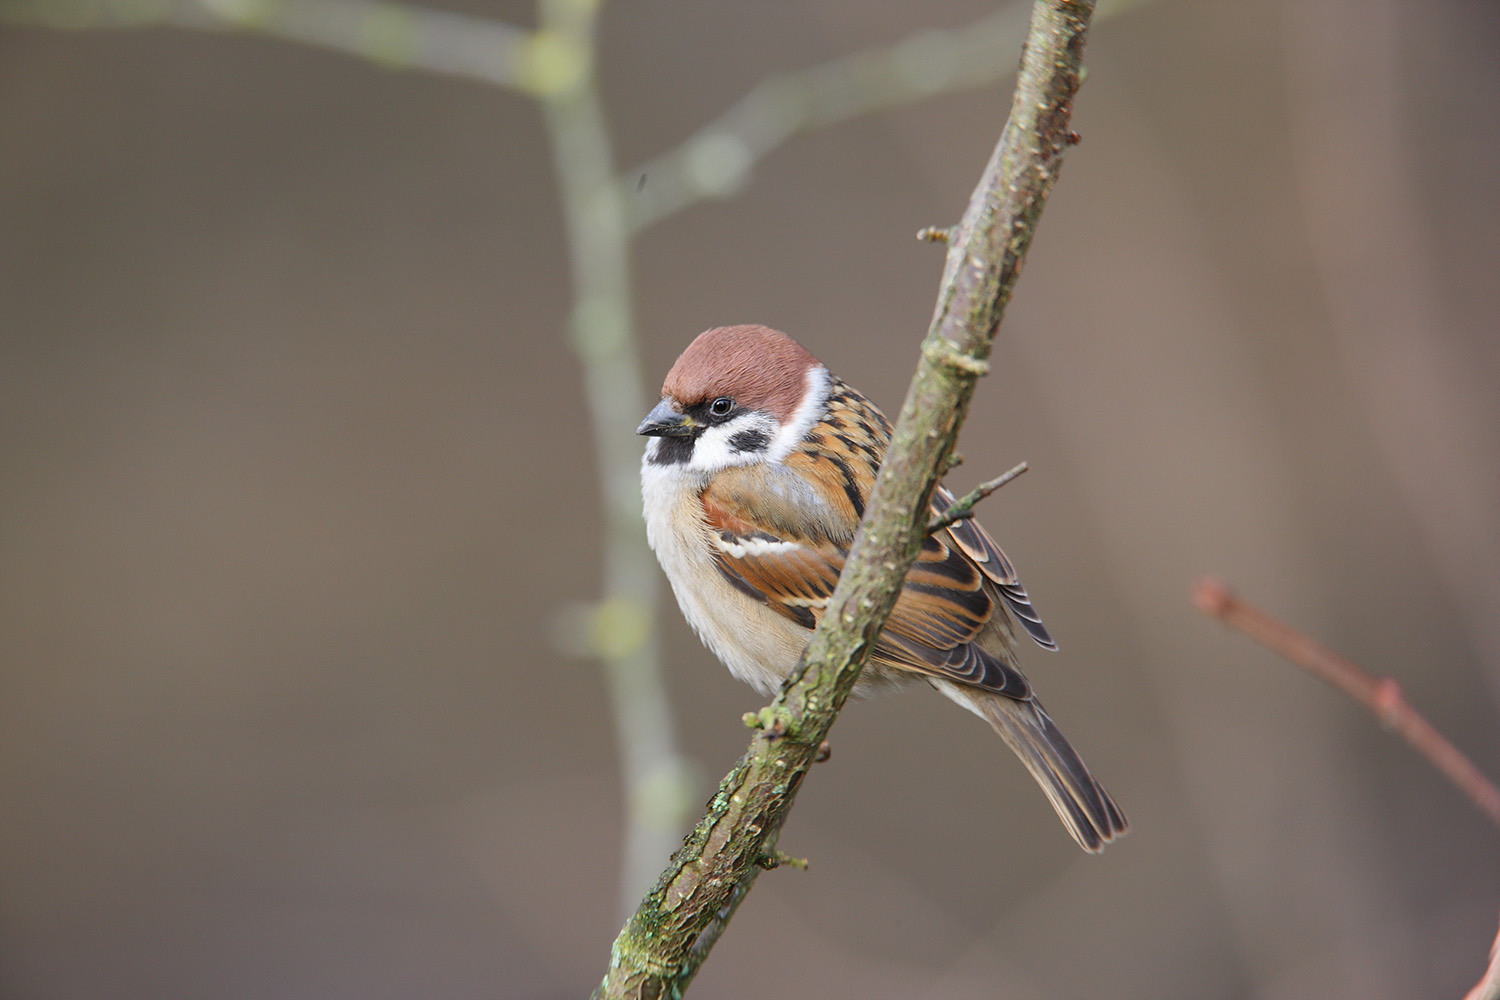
[(666, 940)]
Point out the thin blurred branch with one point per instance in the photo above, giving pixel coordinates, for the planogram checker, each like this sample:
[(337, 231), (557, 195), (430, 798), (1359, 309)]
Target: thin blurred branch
[(1381, 695), (663, 944), (716, 161), (398, 35), (657, 780)]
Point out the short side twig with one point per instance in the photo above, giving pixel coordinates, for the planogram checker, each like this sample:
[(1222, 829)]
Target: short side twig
[(1381, 695), (964, 506), (935, 234), (778, 857)]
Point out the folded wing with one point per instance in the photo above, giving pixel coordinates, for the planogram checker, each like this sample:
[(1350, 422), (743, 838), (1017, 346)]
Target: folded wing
[(958, 589)]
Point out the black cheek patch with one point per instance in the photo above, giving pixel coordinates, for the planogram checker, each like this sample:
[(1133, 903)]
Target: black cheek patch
[(749, 440), (672, 450)]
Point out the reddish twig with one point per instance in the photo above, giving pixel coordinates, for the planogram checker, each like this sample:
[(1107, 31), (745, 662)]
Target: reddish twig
[(1381, 695), (1488, 988)]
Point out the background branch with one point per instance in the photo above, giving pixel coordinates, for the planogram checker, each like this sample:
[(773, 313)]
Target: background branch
[(656, 779), (716, 161), (1488, 987), (657, 953), (1381, 695), (393, 34)]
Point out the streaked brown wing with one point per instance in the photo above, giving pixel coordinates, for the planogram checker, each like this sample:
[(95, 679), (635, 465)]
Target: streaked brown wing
[(793, 576), (977, 544), (946, 604)]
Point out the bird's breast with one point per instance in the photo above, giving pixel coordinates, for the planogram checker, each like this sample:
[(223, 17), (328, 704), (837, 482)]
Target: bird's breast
[(759, 646)]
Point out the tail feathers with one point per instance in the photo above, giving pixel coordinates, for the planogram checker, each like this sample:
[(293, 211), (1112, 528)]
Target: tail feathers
[(1083, 805)]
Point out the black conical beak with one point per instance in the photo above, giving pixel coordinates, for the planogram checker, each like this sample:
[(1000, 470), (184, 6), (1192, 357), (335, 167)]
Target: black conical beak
[(664, 421)]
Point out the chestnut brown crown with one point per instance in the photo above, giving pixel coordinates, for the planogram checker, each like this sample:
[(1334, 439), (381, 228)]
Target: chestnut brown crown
[(759, 368)]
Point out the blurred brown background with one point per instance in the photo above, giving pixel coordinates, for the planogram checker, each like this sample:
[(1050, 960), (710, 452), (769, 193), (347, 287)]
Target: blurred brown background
[(296, 468)]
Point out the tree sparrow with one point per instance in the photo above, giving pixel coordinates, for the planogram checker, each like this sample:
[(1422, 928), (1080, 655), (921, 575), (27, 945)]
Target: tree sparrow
[(754, 482)]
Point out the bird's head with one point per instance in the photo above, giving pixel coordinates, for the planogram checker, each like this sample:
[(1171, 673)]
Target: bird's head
[(737, 396)]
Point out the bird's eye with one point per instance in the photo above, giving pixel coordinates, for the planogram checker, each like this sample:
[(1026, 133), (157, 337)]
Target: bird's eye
[(721, 406)]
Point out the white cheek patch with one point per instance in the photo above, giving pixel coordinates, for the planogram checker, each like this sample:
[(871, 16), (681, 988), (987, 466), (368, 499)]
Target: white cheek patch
[(717, 448), (808, 411)]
